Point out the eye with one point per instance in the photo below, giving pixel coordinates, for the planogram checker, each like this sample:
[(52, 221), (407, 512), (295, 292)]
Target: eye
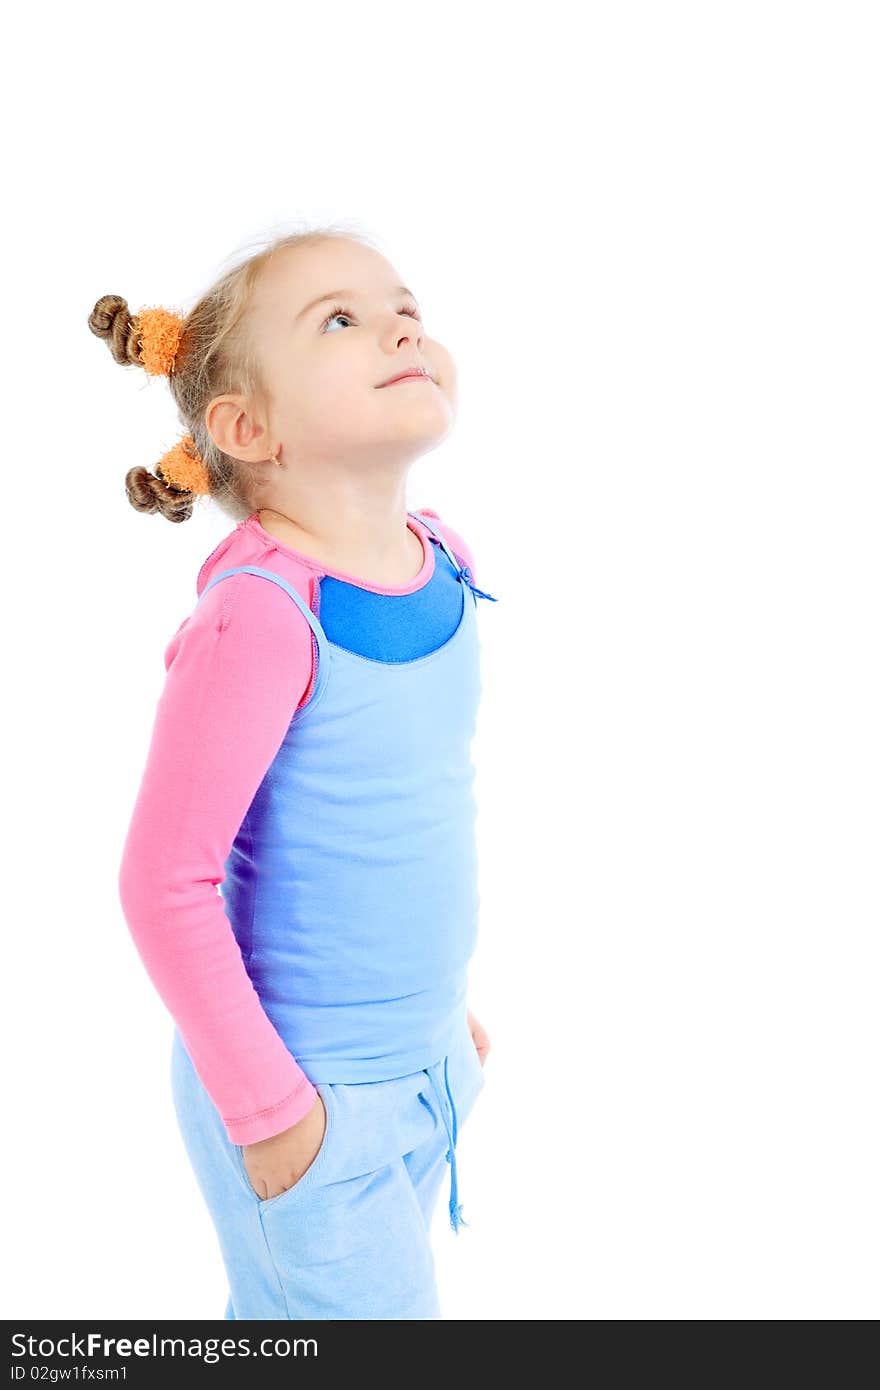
[(338, 311)]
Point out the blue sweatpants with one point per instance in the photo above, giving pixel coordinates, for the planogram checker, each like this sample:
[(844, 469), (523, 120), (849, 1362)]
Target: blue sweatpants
[(351, 1238)]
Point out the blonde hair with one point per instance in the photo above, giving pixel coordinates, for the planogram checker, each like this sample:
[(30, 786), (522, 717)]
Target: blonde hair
[(216, 355)]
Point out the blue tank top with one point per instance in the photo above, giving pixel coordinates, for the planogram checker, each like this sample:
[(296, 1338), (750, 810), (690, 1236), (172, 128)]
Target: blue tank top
[(351, 885)]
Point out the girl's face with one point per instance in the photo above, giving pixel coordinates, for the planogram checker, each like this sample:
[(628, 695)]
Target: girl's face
[(323, 363)]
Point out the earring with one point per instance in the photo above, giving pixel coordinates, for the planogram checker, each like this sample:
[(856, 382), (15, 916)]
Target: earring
[(273, 459)]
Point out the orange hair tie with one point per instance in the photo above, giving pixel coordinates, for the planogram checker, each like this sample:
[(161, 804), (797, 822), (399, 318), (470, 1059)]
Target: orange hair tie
[(183, 467), (158, 337), (158, 334)]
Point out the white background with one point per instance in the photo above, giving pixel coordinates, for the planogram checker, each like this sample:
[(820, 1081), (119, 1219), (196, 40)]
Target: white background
[(648, 234)]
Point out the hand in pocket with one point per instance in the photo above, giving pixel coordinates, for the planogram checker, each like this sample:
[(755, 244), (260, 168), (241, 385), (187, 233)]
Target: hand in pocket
[(480, 1037), (276, 1164)]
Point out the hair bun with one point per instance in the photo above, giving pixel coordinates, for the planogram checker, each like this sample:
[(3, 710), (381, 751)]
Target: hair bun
[(112, 321)]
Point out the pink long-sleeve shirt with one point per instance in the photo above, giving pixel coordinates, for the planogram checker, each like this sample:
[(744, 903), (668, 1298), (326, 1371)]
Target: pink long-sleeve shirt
[(237, 670)]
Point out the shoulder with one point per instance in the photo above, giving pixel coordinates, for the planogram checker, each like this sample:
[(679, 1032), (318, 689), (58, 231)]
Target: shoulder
[(246, 545), (456, 542), (254, 613)]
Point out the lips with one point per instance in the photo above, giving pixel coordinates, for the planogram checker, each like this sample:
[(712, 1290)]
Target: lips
[(406, 376)]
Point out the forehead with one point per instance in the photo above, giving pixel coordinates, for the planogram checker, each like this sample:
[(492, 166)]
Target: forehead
[(299, 273)]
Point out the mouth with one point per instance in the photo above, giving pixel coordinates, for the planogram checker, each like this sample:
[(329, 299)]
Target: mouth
[(406, 376)]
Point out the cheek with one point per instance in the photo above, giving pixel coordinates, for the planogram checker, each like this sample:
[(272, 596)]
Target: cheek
[(333, 384), (444, 368)]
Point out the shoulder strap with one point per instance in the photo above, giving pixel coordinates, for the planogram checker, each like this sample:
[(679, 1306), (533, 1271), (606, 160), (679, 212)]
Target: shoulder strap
[(463, 571), (434, 532), (276, 579)]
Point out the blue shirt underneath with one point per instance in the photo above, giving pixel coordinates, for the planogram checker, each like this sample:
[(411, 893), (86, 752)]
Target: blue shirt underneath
[(393, 627)]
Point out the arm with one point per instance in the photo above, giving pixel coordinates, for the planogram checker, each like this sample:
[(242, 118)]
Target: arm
[(237, 669)]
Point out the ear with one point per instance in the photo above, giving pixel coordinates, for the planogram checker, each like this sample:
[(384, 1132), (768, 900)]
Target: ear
[(236, 429)]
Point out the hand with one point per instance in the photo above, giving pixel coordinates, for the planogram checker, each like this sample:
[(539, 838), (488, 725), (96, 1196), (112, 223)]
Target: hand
[(276, 1164), (480, 1037)]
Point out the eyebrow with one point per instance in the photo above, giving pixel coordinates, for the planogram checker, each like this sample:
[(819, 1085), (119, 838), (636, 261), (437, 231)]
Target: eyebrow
[(344, 294)]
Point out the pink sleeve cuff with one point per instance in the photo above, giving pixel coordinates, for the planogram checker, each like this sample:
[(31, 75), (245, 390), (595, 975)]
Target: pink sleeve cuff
[(249, 1129)]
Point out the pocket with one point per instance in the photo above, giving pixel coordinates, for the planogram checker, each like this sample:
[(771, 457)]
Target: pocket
[(470, 1078), (312, 1173), (481, 1070)]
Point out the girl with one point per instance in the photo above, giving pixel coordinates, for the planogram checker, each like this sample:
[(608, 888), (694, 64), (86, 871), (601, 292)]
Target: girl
[(310, 758)]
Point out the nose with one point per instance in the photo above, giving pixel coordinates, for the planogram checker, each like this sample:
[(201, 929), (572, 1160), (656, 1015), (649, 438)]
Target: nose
[(405, 337)]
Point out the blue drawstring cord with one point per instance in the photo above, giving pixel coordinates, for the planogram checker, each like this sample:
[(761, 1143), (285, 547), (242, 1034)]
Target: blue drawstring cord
[(467, 575), (455, 1209), (455, 1217)]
